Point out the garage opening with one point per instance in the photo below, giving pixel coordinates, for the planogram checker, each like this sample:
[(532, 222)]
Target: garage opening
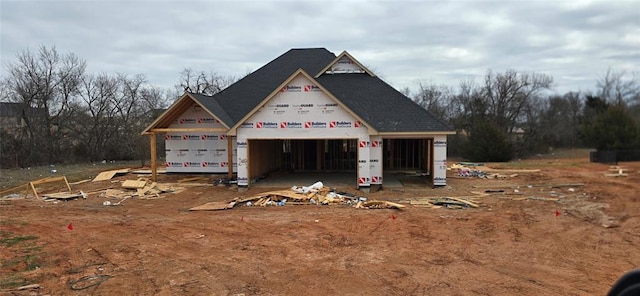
[(407, 154), (327, 155), (320, 155)]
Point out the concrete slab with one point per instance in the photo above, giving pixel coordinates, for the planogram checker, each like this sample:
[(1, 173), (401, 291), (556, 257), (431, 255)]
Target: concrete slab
[(338, 179)]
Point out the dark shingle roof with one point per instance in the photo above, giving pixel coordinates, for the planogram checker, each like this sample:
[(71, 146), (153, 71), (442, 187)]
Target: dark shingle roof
[(381, 105), (241, 97), (212, 105), (376, 102)]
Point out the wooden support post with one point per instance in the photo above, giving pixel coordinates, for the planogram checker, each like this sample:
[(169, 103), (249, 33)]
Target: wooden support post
[(229, 157), (427, 147), (430, 150), (154, 169)]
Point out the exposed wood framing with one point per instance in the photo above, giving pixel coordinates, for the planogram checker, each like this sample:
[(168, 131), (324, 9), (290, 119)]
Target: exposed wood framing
[(267, 156), (177, 130), (430, 158), (154, 168), (48, 180)]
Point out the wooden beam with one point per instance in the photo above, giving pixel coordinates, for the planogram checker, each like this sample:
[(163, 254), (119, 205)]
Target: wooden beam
[(154, 169), (178, 130), (230, 157)]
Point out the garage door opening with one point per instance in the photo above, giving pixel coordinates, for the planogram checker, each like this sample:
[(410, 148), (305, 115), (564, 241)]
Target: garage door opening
[(334, 161), (339, 155)]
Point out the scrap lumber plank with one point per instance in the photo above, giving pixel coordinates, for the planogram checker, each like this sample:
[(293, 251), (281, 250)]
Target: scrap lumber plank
[(420, 202), (62, 195), (143, 191), (284, 193), (464, 201), (395, 205), (134, 184), (80, 182), (192, 179), (214, 205), (189, 184), (381, 204), (148, 172), (615, 175), (116, 193), (13, 189)]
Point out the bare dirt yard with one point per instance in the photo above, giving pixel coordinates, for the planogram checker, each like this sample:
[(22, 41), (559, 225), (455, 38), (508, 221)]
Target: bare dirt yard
[(564, 230)]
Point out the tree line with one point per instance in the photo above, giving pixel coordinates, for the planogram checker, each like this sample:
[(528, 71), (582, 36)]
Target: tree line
[(68, 115), (514, 114)]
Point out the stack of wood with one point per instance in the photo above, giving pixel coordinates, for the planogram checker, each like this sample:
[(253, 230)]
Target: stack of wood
[(141, 188)]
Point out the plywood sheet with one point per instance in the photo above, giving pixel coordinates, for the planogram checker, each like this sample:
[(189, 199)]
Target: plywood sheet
[(104, 176), (107, 175), (134, 184)]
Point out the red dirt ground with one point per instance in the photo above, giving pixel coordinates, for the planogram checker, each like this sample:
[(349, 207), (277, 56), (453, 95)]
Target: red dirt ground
[(508, 246)]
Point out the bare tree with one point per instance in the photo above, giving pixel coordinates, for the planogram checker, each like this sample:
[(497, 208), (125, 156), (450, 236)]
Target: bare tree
[(507, 95), (618, 87), (94, 116), (202, 82), (436, 99), (46, 81)]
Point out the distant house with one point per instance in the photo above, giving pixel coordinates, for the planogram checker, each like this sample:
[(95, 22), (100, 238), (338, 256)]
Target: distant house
[(13, 115), (307, 110)]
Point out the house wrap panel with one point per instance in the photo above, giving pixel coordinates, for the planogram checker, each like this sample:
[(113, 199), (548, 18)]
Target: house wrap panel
[(197, 152), (301, 110)]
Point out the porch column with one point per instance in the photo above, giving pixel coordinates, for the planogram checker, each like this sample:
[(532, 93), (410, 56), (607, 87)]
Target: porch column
[(440, 160), (154, 169), (243, 161), (229, 157), (375, 162), (364, 171)]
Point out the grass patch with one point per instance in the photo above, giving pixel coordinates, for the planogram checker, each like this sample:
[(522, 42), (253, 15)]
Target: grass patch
[(25, 255), (12, 222), (74, 172), (10, 241), (13, 281)]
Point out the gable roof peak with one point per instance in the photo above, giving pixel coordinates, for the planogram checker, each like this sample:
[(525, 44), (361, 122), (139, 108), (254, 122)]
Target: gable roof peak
[(354, 66)]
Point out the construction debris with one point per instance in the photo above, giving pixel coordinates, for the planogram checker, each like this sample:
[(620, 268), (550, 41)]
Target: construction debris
[(448, 202), (142, 189), (48, 180), (63, 195), (316, 194), (465, 170), (616, 171)]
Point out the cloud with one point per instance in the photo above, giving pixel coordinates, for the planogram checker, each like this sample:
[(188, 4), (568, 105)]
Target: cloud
[(405, 41)]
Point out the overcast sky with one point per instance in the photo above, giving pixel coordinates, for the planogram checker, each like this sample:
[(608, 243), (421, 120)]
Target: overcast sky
[(441, 42)]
